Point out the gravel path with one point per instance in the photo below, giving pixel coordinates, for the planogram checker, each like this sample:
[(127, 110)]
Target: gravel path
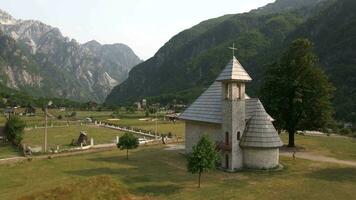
[(313, 157)]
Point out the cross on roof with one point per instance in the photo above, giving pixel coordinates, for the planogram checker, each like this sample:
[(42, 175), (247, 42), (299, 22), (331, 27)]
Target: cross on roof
[(233, 49)]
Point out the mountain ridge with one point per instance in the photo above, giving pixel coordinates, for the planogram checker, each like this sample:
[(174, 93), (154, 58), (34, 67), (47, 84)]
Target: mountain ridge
[(190, 61), (91, 74)]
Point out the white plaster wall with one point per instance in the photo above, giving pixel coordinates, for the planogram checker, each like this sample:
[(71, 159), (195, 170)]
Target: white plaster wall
[(195, 130), (260, 158)]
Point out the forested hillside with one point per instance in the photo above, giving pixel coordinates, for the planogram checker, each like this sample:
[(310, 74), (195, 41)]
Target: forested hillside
[(191, 60)]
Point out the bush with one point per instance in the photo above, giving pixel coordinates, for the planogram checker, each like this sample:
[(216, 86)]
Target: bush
[(14, 129), (60, 117), (345, 131), (73, 114)]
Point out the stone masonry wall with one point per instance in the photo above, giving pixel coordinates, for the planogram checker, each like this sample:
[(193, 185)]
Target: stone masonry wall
[(260, 158), (195, 130)]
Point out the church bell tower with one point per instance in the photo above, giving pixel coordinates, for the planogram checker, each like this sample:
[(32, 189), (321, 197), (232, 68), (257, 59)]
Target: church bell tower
[(233, 80)]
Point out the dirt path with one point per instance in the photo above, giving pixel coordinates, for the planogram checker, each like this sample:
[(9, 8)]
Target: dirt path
[(95, 149), (313, 157)]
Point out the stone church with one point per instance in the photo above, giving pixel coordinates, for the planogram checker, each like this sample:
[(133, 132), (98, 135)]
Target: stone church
[(240, 126)]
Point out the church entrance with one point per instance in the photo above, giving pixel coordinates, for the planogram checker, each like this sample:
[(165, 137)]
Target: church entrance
[(227, 161)]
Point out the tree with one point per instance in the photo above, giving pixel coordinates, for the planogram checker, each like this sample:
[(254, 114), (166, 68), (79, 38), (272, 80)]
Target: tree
[(203, 158), (296, 91), (128, 141), (14, 129)]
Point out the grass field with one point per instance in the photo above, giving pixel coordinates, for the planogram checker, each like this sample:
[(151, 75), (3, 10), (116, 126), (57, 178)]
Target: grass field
[(7, 150), (63, 136), (154, 173), (338, 147)]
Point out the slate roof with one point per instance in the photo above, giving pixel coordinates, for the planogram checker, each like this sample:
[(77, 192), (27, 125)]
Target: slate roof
[(208, 107), (259, 131), (234, 71)]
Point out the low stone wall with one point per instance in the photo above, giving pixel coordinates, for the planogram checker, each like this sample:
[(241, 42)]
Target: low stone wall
[(260, 158)]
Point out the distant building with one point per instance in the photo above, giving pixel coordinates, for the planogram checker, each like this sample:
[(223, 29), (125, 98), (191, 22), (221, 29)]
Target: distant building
[(348, 125), (240, 126), (144, 103), (9, 111), (172, 116), (138, 105), (30, 111)]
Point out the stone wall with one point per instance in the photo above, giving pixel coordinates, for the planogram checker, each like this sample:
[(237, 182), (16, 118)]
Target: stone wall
[(195, 130), (260, 158)]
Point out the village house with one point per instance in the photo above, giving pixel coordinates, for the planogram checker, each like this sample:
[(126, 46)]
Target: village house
[(240, 126), (30, 111)]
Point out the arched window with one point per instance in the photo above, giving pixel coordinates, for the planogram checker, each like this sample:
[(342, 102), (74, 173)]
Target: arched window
[(238, 91), (227, 138), (226, 92), (238, 135)]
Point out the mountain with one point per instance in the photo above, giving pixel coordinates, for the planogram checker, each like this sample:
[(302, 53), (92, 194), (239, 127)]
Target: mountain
[(282, 6), (190, 61), (82, 71), (333, 32)]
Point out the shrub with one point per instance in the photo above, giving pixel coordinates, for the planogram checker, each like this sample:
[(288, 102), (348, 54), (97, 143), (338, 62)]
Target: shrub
[(73, 114), (345, 131), (14, 129)]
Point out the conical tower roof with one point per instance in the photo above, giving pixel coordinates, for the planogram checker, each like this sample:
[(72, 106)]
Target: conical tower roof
[(259, 131), (234, 72)]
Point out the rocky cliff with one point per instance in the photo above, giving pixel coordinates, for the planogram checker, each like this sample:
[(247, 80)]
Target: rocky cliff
[(61, 67)]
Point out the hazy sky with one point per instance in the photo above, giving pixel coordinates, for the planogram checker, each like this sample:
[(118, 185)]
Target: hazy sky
[(144, 25)]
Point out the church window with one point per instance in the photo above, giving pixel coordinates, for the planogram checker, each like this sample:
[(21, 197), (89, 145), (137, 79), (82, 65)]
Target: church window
[(239, 92), (227, 161), (226, 88), (227, 138), (238, 135)]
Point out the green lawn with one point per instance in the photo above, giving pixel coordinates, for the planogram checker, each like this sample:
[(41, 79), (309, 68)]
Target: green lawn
[(337, 147), (63, 135), (39, 119), (154, 173), (7, 150)]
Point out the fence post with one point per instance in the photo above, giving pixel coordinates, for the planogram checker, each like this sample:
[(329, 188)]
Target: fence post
[(91, 141)]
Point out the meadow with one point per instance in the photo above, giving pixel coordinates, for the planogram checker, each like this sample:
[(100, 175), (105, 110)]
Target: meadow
[(71, 127), (343, 148), (156, 173), (63, 136)]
